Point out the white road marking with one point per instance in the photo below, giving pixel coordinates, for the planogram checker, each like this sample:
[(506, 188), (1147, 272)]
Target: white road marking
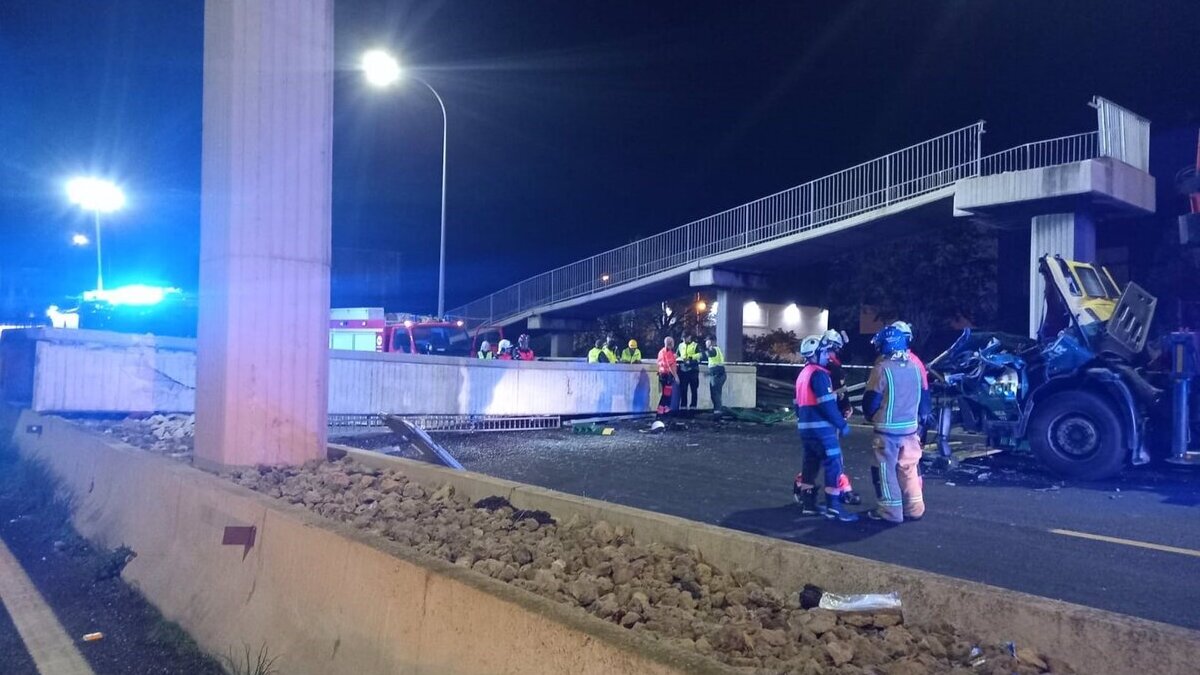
[(1129, 542)]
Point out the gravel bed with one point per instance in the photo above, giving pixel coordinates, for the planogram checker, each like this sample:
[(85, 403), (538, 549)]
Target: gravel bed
[(661, 592)]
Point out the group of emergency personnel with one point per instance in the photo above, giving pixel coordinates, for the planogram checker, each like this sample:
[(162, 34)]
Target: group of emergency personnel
[(896, 401), (679, 374), (506, 351)]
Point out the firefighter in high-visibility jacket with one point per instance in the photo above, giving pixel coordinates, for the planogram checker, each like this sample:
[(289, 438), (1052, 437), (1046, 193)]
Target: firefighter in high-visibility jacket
[(820, 423), (834, 341), (896, 400)]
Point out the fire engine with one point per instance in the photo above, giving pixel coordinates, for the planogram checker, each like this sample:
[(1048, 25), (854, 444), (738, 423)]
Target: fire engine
[(371, 329)]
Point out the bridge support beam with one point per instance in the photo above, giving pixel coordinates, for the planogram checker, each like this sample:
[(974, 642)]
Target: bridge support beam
[(265, 203), (554, 323), (729, 322), (560, 344), (1071, 235)]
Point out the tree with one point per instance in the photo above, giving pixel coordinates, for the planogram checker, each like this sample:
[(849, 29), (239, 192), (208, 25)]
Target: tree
[(932, 280), (649, 325)]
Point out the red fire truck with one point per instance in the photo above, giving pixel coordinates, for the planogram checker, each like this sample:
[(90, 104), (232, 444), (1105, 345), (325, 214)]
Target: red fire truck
[(373, 330)]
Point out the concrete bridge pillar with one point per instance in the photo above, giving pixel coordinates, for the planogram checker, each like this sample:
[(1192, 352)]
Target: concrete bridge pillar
[(560, 344), (263, 341), (731, 287), (729, 323), (1071, 235)]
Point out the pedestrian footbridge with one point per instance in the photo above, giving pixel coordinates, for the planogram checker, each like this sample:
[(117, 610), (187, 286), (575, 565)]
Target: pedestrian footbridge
[(948, 173)]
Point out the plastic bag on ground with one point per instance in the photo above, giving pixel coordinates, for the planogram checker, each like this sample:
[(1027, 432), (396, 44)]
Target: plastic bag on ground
[(870, 602)]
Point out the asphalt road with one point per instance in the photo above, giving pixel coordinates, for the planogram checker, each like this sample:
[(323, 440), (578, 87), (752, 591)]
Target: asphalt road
[(996, 528)]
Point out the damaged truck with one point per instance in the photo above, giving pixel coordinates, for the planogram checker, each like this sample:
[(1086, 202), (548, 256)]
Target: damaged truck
[(1091, 395)]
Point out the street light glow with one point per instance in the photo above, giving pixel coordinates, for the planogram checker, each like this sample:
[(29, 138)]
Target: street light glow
[(380, 68), (80, 240), (94, 194)]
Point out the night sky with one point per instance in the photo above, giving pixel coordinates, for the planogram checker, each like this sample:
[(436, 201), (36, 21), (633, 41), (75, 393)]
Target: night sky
[(574, 126)]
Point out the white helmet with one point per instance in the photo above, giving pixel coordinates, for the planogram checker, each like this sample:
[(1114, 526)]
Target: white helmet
[(903, 327), (833, 339), (505, 345), (485, 346), (809, 346)]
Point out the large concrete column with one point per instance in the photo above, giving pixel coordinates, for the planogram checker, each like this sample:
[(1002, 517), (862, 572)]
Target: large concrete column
[(263, 360), (560, 345), (729, 322), (1071, 235)]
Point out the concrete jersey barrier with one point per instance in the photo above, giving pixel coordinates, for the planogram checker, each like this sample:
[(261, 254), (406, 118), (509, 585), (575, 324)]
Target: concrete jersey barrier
[(1094, 641), (85, 371), (322, 596), (278, 589)]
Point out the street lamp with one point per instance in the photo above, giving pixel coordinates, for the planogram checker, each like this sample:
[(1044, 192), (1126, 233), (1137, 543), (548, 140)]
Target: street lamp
[(98, 196), (381, 70), (80, 240)]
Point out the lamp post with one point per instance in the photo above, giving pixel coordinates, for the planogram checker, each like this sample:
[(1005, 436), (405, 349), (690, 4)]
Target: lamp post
[(381, 70), (98, 196)]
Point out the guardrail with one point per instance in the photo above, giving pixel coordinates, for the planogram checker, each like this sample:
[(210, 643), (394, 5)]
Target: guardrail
[(1123, 134), (876, 184), (1063, 150)]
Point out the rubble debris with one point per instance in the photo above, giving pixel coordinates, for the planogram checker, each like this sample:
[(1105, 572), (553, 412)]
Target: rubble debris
[(171, 434), (662, 592), (495, 503)]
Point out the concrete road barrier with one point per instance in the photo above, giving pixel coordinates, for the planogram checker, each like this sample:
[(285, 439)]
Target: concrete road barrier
[(87, 371), (1094, 641), (328, 598), (322, 596)]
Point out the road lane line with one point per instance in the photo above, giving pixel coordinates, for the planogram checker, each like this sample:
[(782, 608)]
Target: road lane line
[(1129, 542), (53, 651)]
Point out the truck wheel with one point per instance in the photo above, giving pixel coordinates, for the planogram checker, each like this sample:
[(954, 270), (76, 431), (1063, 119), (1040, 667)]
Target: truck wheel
[(1078, 435)]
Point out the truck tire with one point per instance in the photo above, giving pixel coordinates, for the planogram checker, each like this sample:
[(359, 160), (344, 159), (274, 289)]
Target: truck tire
[(1078, 435)]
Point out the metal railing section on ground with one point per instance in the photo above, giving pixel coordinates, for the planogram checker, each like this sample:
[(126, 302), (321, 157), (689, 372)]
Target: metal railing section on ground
[(453, 423), (876, 184)]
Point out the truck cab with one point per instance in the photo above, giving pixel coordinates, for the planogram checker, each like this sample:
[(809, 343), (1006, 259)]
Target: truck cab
[(1081, 396)]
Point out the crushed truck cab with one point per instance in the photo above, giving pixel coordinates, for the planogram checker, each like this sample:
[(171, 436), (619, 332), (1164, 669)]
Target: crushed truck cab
[(1087, 396)]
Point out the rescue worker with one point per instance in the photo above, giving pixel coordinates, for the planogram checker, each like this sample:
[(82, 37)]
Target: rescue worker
[(819, 424), (905, 329), (689, 372), (631, 353), (716, 373), (523, 352), (485, 351), (896, 400), (668, 375), (609, 351), (834, 341), (595, 352), (505, 351)]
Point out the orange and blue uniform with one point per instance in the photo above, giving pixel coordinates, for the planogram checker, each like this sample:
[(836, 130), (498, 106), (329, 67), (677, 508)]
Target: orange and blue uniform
[(819, 423)]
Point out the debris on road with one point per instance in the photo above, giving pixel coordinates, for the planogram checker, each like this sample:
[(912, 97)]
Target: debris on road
[(93, 637), (870, 602)]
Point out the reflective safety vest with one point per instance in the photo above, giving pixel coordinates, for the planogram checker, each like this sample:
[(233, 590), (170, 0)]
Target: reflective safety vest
[(897, 385), (817, 415), (609, 355), (689, 356), (716, 357), (631, 355), (594, 355), (486, 354)]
